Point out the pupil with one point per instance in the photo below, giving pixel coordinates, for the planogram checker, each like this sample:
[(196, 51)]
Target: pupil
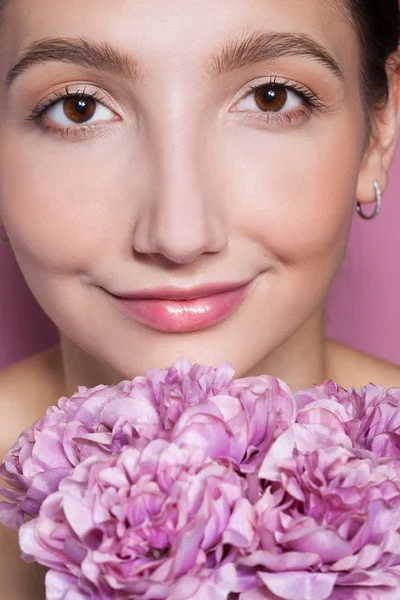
[(270, 95), (79, 110), (81, 106)]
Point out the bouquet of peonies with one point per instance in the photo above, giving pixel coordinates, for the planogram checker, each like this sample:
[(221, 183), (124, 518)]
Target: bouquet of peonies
[(190, 484)]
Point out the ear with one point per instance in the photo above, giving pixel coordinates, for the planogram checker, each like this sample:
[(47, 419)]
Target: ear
[(383, 139)]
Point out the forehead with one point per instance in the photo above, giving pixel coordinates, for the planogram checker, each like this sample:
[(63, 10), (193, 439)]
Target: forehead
[(176, 31)]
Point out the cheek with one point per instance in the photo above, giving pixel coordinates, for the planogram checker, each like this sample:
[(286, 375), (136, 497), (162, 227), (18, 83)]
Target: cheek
[(300, 191), (59, 205)]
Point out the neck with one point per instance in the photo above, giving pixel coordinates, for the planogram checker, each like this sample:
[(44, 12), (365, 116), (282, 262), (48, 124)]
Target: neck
[(301, 361)]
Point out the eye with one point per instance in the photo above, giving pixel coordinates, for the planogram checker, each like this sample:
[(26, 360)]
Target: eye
[(78, 110), (272, 98)]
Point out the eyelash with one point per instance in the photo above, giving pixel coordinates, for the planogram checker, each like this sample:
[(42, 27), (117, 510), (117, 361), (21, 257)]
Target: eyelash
[(36, 115), (312, 102), (310, 97)]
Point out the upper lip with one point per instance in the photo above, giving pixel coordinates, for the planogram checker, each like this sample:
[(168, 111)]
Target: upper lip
[(174, 293)]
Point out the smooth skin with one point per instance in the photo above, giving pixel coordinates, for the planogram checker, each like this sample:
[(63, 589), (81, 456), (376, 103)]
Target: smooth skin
[(181, 178)]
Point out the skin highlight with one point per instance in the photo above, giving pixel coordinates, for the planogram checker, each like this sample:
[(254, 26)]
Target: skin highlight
[(106, 208)]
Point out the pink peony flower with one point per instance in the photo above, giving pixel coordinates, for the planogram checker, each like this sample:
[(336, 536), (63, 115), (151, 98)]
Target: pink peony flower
[(187, 483), (189, 403), (369, 415), (328, 521), (97, 421), (144, 524), (242, 423), (184, 385)]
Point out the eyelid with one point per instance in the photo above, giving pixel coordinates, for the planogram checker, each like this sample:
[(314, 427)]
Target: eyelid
[(72, 90), (310, 96)]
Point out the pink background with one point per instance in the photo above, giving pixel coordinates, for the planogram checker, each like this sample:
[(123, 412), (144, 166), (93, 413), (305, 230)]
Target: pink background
[(363, 308)]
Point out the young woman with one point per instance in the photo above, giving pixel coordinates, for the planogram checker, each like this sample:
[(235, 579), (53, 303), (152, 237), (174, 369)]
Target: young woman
[(179, 179)]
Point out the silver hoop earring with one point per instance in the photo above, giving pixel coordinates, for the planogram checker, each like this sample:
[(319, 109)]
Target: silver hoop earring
[(378, 200)]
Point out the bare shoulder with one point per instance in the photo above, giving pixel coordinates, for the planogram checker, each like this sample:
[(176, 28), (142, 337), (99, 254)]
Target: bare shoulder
[(350, 367), (27, 388), (33, 369)]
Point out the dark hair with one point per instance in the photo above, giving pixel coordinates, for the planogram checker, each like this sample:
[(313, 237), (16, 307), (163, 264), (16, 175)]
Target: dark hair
[(378, 26)]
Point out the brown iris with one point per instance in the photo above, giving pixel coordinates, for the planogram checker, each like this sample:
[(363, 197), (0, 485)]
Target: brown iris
[(79, 109), (271, 98)]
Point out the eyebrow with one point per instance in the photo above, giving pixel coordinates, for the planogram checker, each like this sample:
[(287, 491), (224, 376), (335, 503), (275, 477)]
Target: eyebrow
[(263, 46), (78, 51), (235, 54)]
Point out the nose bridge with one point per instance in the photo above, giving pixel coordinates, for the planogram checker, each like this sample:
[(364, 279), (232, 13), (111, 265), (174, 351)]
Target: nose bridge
[(183, 219), (181, 167)]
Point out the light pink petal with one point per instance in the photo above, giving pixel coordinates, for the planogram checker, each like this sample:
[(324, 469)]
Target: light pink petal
[(48, 451), (187, 552), (61, 586), (185, 589), (326, 543), (32, 549), (371, 579), (78, 515), (288, 561), (299, 586), (138, 411), (240, 530), (218, 585), (359, 593), (228, 407)]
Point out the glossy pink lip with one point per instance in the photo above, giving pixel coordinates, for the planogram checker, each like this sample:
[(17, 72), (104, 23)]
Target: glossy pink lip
[(171, 310), (173, 293)]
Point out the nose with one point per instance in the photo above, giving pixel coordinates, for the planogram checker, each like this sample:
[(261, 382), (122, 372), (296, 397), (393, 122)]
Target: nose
[(183, 220)]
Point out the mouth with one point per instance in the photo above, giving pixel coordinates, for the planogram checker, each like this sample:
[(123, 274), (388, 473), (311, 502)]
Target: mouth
[(177, 311)]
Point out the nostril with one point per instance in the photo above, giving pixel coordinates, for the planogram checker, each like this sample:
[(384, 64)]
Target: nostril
[(178, 231), (181, 256)]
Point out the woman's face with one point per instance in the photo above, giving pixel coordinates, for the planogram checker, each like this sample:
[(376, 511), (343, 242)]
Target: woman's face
[(134, 154)]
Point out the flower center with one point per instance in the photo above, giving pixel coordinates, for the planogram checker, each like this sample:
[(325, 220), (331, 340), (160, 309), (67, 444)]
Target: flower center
[(157, 553)]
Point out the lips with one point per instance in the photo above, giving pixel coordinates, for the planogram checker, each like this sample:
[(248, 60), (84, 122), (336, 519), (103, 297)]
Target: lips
[(173, 293), (178, 311)]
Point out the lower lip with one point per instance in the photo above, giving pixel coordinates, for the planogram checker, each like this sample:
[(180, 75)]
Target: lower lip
[(176, 316)]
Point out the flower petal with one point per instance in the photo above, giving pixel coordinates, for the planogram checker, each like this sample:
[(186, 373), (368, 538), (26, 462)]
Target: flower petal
[(300, 586)]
